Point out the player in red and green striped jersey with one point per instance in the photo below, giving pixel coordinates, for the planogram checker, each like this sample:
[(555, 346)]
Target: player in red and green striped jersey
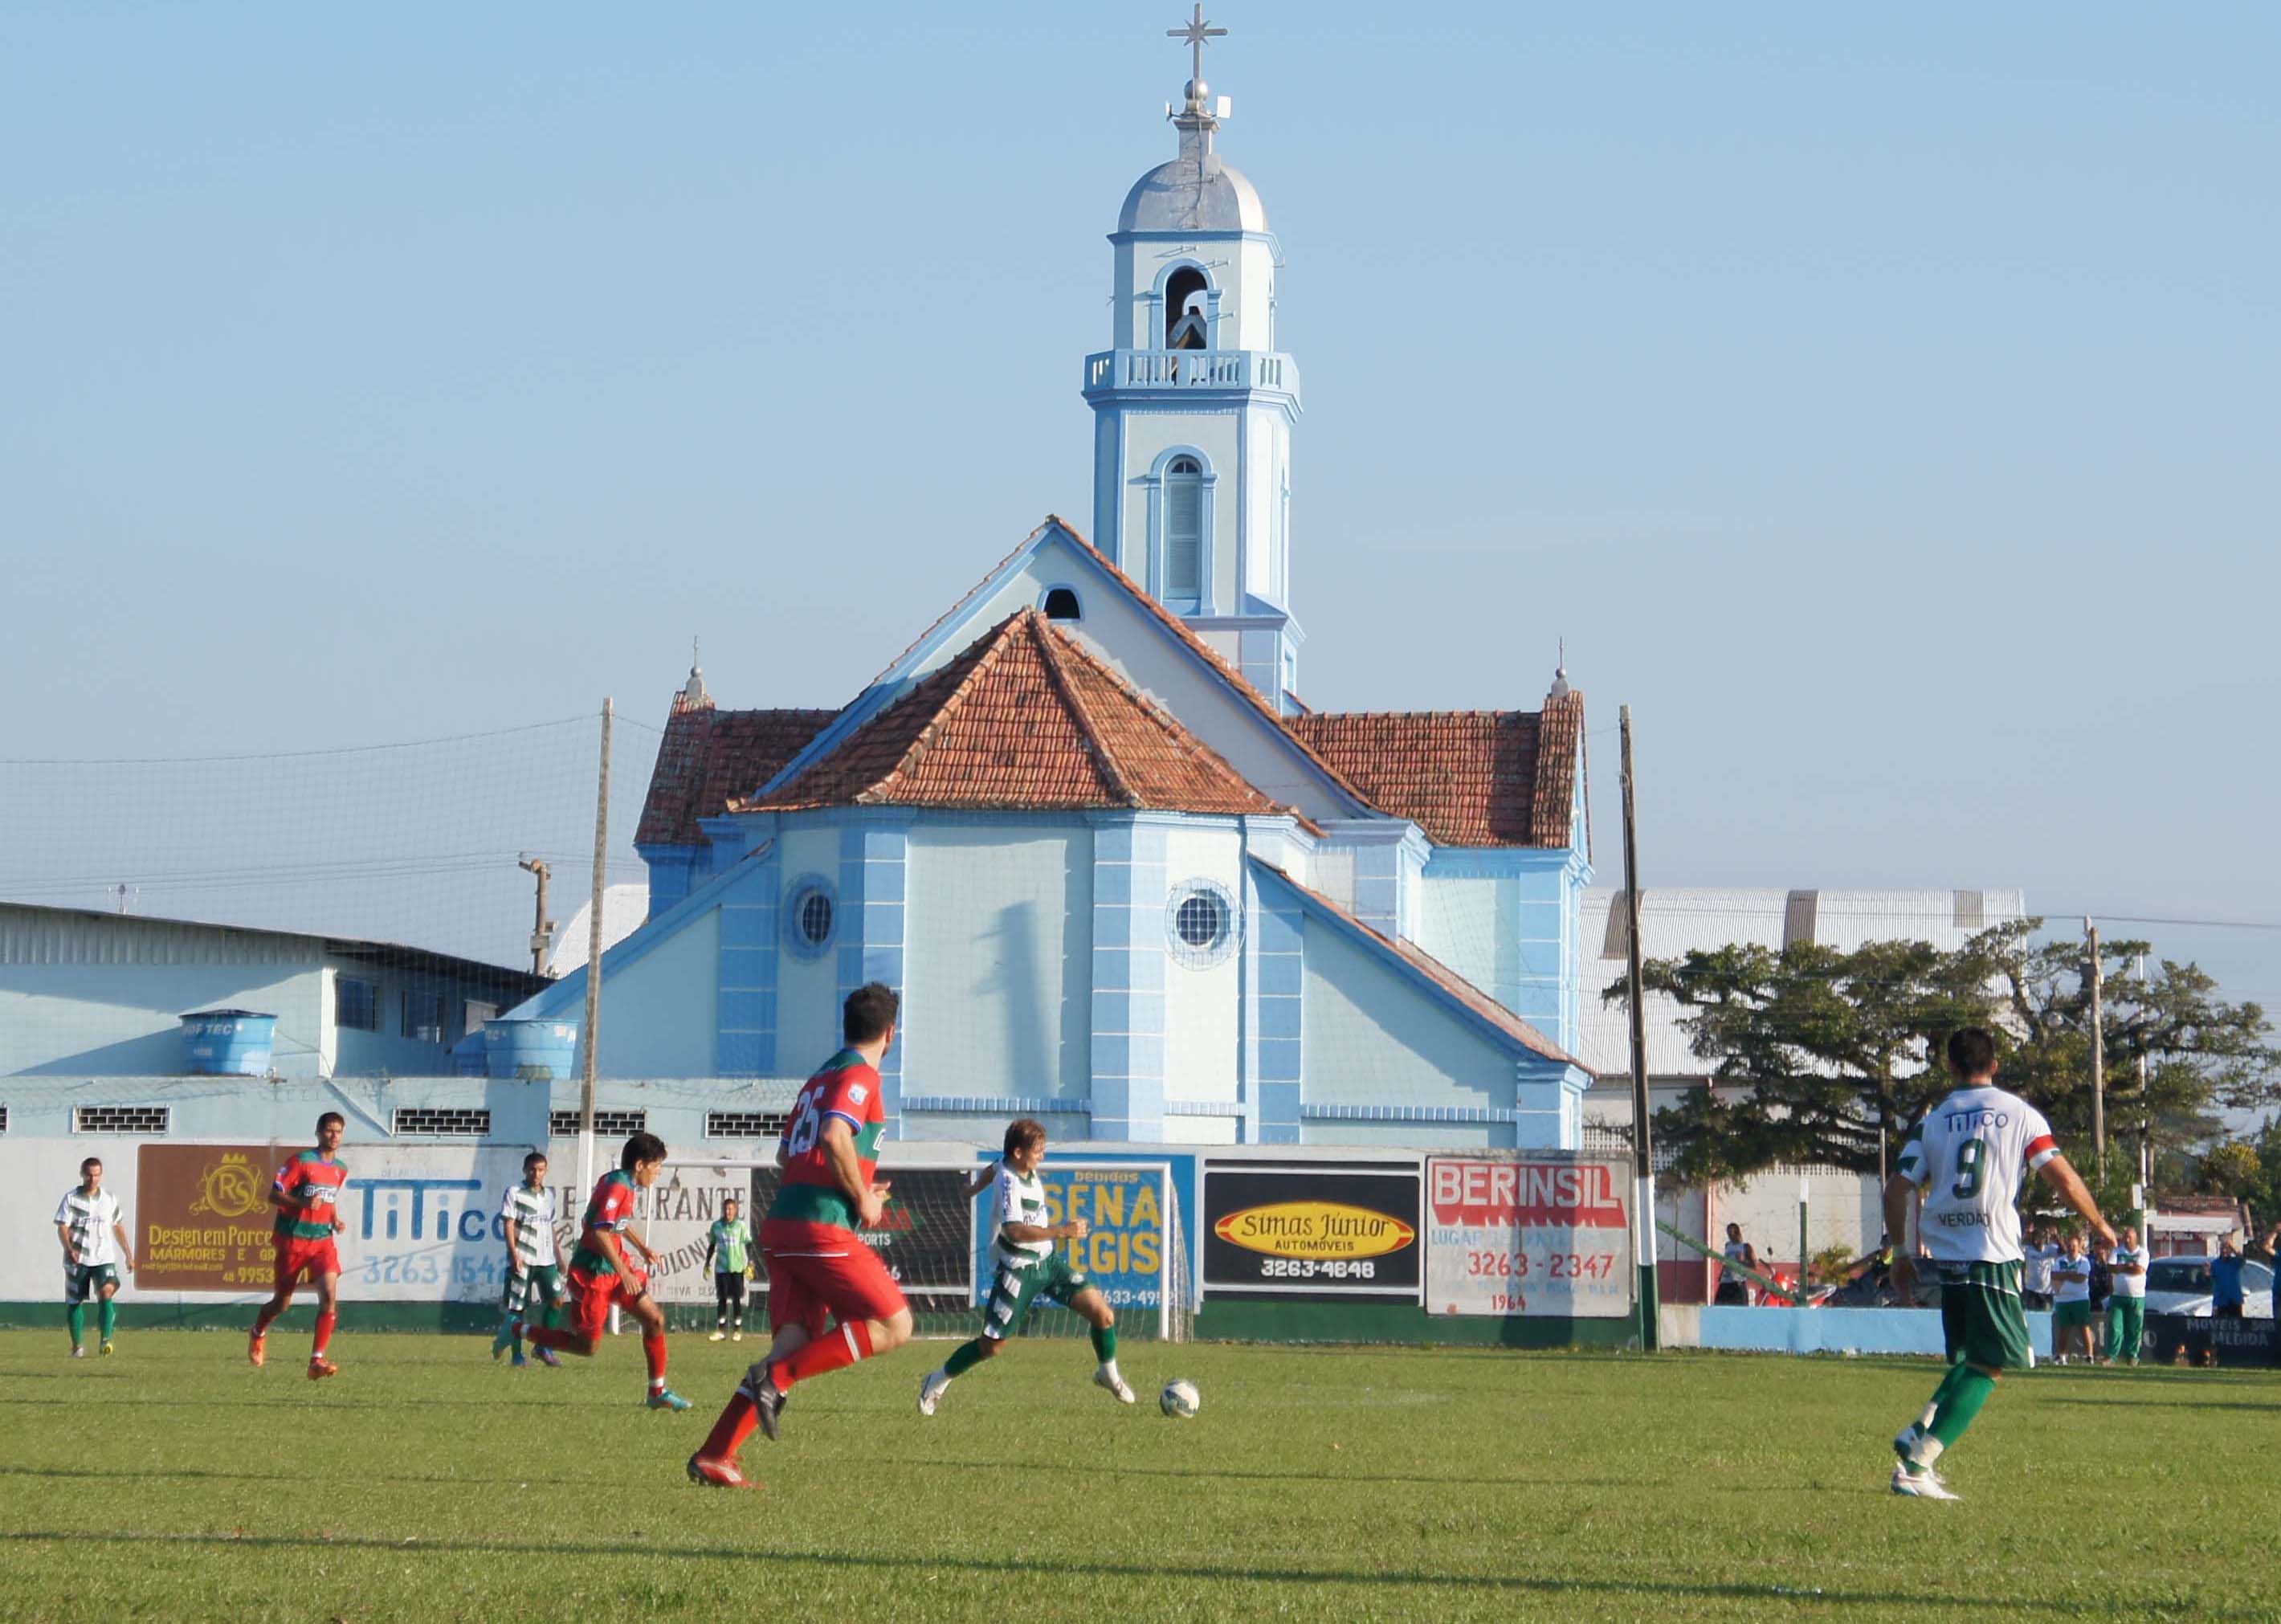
[(600, 1270), (831, 1300), (307, 1197)]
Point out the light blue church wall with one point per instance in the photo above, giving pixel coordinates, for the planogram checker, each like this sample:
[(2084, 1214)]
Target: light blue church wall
[(1204, 1003), (806, 850), (1507, 919), (998, 983), (658, 1017)]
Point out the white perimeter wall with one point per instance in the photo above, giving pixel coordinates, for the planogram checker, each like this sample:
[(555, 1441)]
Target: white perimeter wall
[(998, 965)]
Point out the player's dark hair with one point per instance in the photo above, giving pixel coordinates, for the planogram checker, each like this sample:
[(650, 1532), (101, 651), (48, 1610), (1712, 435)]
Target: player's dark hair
[(869, 1010), (1023, 1131), (1972, 1052), (93, 1161), (533, 1160), (332, 1116), (641, 1147), (728, 1202)]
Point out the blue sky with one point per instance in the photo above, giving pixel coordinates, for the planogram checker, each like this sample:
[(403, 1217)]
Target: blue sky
[(1881, 402)]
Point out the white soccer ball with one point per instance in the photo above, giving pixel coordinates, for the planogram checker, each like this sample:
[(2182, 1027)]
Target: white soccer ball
[(1180, 1400)]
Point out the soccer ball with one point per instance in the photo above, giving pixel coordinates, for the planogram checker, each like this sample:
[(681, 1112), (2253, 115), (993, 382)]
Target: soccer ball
[(1180, 1400)]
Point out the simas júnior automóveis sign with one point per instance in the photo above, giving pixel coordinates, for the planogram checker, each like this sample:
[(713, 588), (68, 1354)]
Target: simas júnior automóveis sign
[(1326, 1230)]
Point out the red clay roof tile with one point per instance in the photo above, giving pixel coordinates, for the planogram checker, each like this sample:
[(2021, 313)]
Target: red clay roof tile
[(1466, 777), (710, 757)]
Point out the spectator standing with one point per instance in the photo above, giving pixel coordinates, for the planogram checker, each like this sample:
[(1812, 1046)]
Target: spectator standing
[(2126, 1310), (2225, 1280), (2072, 1302), (2036, 1281), (1734, 1286), (2102, 1289)]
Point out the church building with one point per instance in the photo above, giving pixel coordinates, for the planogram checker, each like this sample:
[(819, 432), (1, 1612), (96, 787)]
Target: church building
[(1124, 880)]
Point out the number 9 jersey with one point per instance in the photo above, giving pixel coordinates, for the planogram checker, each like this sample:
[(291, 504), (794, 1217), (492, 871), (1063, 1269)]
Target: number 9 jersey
[(1970, 1155)]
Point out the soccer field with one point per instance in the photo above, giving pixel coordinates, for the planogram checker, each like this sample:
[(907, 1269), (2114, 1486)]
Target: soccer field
[(173, 1481)]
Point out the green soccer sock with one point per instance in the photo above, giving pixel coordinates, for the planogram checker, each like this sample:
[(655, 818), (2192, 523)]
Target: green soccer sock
[(109, 1317), (1967, 1390), (1104, 1343), (967, 1355), (76, 1312)]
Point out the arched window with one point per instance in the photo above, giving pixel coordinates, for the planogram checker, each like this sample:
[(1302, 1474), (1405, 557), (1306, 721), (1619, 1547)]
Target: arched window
[(1184, 527), (1062, 604), (1184, 298)]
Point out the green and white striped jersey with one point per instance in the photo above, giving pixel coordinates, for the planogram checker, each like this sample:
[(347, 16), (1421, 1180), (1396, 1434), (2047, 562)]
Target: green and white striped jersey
[(90, 1218), (1018, 1200), (533, 1213)]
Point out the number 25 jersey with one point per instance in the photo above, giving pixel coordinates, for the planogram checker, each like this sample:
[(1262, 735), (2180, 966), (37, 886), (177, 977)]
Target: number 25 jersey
[(1970, 1155), (847, 1088)]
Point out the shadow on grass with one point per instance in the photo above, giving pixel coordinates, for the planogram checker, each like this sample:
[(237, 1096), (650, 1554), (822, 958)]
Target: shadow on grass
[(488, 1482), (651, 1554)]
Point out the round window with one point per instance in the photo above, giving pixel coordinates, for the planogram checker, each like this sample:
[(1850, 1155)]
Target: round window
[(815, 918), (1200, 923)]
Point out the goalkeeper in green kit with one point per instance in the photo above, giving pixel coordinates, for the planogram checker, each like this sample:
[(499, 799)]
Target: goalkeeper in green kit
[(729, 1246)]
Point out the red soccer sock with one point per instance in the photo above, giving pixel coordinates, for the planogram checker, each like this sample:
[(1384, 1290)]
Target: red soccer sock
[(551, 1336), (266, 1318), (826, 1353), (729, 1432), (325, 1323), (653, 1350)]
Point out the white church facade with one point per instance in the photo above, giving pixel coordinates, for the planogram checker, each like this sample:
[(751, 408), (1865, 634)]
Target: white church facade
[(1124, 880)]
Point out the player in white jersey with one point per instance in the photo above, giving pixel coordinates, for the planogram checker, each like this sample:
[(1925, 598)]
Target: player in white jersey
[(533, 1267), (94, 1232), (1969, 1157), (1027, 1265)]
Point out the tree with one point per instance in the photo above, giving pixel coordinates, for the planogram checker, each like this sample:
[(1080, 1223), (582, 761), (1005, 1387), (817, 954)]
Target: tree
[(1824, 1056), (2231, 1167)]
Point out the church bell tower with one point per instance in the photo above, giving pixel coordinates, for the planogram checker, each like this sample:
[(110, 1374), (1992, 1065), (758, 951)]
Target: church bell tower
[(1194, 405)]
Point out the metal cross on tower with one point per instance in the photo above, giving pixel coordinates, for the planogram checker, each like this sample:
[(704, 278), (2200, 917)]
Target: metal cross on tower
[(1195, 31)]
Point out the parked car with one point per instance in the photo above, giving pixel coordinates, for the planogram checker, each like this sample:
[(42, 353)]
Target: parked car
[(2182, 1285)]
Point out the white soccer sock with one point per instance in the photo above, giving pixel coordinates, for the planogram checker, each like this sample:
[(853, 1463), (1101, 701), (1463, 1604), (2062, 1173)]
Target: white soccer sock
[(1109, 1369)]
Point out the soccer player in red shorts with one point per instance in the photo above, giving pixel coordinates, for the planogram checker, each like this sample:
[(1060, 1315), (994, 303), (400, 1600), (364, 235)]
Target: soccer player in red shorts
[(307, 1197), (819, 1269), (600, 1270)]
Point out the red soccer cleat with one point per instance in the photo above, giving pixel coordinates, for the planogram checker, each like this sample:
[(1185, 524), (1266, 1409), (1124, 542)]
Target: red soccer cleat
[(320, 1367), (256, 1350), (717, 1473)]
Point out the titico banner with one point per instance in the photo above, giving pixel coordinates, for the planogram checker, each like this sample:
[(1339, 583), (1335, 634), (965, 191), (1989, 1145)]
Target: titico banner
[(927, 1235), (1329, 1230), (1547, 1237)]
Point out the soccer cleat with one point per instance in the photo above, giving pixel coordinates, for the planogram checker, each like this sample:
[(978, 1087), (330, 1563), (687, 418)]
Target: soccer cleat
[(1115, 1384), (320, 1367), (717, 1473), (104, 1350), (931, 1387), (1922, 1485), (509, 1334), (518, 1363), (738, 1335), (256, 1350), (666, 1398), (767, 1404), (718, 1337), (78, 1352), (546, 1357)]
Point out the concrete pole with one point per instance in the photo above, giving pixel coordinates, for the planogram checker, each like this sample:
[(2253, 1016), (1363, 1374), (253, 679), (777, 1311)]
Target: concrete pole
[(1651, 1325)]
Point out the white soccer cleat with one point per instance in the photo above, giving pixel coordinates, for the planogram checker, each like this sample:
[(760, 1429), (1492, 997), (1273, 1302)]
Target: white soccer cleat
[(931, 1391), (1925, 1485), (1115, 1384), (718, 1337)]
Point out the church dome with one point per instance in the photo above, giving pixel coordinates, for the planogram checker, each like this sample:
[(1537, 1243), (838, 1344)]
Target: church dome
[(1173, 198)]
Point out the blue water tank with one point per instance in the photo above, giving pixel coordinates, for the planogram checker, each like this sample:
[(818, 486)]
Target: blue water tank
[(468, 1057), (534, 1051), (227, 1043)]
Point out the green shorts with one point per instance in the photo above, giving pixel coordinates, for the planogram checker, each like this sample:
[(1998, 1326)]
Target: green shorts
[(542, 1279), (82, 1281), (1980, 1317), (1014, 1287), (2071, 1316)]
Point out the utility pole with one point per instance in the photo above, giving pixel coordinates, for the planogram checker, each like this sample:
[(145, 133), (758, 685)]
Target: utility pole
[(542, 928), (589, 1040), (2097, 1053), (1651, 1328)]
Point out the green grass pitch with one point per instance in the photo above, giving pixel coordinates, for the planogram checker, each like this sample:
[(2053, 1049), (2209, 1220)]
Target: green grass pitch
[(175, 1481)]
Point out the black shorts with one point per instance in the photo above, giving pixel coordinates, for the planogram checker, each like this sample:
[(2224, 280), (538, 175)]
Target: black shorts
[(1734, 1294), (728, 1287)]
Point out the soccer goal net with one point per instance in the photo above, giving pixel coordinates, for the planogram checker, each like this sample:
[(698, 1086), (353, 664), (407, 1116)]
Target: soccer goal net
[(936, 1238)]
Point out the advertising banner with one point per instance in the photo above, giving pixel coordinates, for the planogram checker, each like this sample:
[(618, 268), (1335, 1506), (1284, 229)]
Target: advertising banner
[(422, 1224), (1544, 1236), (675, 1216), (1330, 1231), (1123, 1255), (926, 1237)]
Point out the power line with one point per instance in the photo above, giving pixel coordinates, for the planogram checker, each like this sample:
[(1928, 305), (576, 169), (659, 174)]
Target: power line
[(284, 755)]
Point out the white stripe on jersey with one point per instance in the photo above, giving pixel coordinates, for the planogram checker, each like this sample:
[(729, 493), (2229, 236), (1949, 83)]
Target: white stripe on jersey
[(1970, 1155), (1017, 1201), (533, 1212), (89, 1219)]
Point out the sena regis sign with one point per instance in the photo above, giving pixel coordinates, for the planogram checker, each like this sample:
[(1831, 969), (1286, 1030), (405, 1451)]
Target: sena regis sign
[(1546, 1237), (1329, 1230)]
